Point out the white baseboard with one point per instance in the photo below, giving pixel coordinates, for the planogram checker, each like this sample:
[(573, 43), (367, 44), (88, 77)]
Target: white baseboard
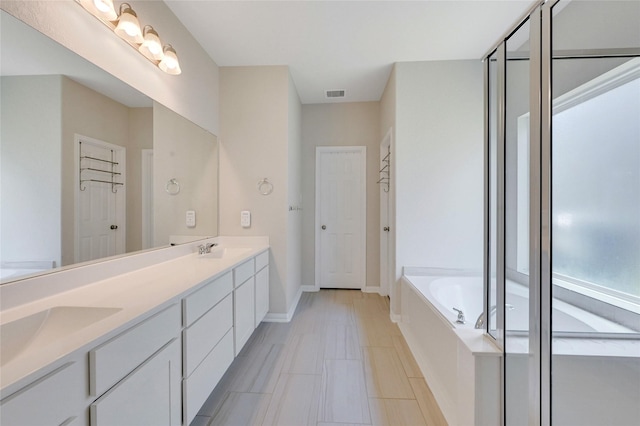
[(309, 288), (397, 318), (371, 290), (278, 317)]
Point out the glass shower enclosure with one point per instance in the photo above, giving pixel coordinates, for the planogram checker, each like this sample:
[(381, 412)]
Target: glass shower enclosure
[(562, 197)]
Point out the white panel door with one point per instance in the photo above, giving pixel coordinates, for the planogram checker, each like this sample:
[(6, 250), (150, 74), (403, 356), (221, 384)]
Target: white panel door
[(340, 217), (101, 214)]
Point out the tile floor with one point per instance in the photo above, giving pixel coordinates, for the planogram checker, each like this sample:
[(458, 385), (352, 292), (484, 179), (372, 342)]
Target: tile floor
[(340, 361)]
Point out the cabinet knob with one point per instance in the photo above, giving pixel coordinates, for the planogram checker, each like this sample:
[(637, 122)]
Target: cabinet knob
[(386, 229), (114, 226), (324, 227)]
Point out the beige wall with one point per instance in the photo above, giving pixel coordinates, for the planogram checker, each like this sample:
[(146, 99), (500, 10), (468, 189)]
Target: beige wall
[(193, 94), (439, 164), (80, 107), (189, 154), (140, 137), (30, 208), (254, 144), (341, 124)]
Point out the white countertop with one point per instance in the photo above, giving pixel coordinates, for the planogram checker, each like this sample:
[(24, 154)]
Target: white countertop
[(139, 294)]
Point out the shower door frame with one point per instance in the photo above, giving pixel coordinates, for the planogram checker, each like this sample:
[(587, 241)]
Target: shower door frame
[(540, 203)]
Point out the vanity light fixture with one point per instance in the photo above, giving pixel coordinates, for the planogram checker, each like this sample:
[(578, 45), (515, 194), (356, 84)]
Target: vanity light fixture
[(169, 63), (151, 46), (126, 26), (102, 9), (106, 9)]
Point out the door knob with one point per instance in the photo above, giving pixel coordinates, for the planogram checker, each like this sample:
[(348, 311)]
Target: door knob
[(324, 227), (114, 226), (386, 229)]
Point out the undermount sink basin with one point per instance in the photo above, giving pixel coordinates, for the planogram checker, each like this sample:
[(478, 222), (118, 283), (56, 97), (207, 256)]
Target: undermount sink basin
[(38, 330), (224, 253)]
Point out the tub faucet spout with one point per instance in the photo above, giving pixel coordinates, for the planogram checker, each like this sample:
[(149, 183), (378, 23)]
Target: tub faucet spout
[(461, 319), (492, 310)]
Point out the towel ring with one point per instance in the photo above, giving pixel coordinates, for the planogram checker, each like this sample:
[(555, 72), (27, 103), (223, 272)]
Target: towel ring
[(172, 187), (265, 187)]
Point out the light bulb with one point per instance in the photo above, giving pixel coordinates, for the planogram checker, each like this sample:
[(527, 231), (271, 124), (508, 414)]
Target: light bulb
[(128, 27), (102, 9), (169, 62), (151, 46), (106, 9)]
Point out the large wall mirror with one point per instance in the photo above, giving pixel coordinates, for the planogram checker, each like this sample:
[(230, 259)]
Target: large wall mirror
[(89, 167)]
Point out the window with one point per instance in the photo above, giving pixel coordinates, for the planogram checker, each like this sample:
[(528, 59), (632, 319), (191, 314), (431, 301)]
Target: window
[(596, 188)]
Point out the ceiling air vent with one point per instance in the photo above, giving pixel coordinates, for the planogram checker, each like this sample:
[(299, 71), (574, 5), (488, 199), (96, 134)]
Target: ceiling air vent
[(333, 94)]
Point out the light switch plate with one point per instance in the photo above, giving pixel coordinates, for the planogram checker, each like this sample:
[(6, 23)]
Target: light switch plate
[(245, 219), (191, 218)]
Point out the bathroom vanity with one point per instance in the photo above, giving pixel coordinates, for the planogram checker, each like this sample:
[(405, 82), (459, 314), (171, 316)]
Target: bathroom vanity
[(145, 344)]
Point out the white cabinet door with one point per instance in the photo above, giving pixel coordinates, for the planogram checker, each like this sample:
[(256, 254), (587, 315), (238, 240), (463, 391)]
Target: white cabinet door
[(244, 313), (150, 395), (262, 295)]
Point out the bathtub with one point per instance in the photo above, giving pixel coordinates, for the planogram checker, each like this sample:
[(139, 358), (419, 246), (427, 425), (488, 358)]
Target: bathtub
[(466, 294), (463, 367)]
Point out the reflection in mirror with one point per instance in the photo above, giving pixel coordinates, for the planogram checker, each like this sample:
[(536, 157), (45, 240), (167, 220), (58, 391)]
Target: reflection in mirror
[(186, 172), (85, 160)]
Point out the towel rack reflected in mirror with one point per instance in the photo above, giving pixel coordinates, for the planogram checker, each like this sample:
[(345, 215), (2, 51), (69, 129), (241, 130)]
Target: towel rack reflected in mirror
[(385, 172), (108, 163)]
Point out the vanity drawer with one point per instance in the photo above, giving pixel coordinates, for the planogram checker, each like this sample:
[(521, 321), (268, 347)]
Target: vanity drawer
[(111, 361), (262, 260), (197, 388), (199, 302), (205, 334), (150, 395), (243, 272), (56, 398)]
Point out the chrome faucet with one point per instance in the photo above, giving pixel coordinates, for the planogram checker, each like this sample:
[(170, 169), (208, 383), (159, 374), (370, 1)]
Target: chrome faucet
[(204, 249), (461, 319), (492, 310)]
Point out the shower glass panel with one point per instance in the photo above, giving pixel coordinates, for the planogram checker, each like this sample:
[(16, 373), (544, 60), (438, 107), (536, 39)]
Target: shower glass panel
[(492, 267), (595, 215), (516, 169)]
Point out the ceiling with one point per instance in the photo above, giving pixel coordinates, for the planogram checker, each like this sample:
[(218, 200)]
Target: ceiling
[(349, 45)]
